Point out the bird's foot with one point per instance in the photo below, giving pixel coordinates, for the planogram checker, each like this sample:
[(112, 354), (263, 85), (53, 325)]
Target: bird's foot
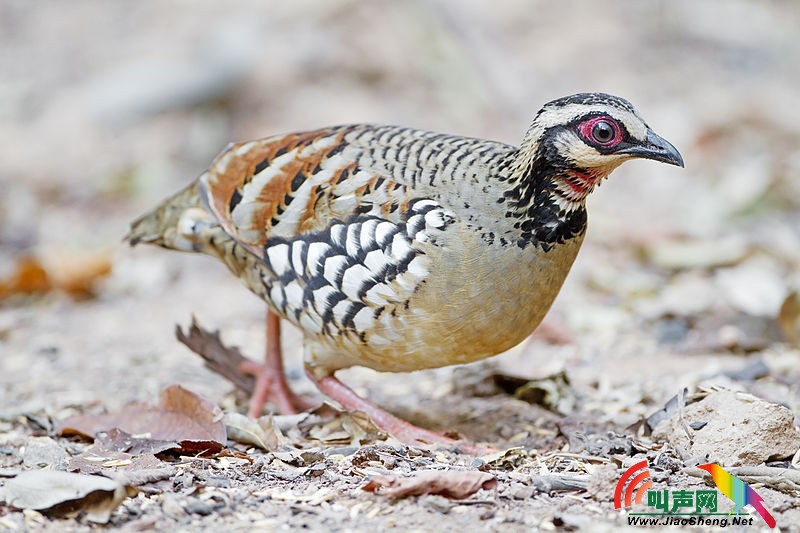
[(398, 428), (271, 387)]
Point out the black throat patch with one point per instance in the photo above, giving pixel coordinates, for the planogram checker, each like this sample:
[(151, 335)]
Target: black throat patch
[(536, 203)]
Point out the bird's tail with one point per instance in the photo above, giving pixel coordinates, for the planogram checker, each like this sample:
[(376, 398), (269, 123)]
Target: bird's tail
[(173, 223), (758, 505)]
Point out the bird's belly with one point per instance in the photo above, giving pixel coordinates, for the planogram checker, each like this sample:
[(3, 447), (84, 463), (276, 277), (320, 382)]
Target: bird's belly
[(477, 308)]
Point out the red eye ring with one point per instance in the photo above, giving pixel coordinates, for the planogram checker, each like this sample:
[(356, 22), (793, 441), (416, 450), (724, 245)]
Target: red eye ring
[(594, 130)]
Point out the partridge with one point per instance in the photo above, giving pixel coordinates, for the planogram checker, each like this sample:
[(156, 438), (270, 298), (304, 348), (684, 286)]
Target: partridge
[(399, 249)]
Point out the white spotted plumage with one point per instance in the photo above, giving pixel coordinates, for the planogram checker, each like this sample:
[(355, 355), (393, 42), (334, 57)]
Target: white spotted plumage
[(356, 271)]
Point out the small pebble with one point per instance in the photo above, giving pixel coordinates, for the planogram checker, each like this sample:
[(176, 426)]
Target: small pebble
[(522, 492), (172, 507), (216, 481), (437, 503), (341, 450), (195, 506)]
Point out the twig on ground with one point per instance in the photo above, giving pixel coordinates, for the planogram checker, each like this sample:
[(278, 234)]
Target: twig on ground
[(559, 483)]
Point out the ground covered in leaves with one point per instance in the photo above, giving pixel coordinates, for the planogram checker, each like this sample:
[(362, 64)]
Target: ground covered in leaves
[(675, 340)]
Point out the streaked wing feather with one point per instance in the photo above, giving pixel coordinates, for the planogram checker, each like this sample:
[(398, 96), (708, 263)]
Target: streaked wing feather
[(291, 185), (331, 216)]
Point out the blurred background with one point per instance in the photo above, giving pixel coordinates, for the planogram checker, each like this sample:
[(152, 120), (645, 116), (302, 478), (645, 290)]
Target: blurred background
[(106, 107)]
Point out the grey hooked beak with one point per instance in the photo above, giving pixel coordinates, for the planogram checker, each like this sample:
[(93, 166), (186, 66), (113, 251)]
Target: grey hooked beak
[(656, 148)]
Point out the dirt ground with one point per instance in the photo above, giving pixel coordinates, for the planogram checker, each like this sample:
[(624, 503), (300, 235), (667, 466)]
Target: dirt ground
[(687, 280)]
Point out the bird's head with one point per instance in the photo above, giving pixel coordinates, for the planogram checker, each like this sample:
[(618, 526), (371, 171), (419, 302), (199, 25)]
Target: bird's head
[(576, 142)]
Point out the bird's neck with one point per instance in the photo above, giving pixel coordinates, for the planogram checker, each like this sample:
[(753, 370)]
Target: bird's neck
[(546, 199)]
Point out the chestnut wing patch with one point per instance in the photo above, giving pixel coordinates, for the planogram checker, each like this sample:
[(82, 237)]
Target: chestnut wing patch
[(295, 184)]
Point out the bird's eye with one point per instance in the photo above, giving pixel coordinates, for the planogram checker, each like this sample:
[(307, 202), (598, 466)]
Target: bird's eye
[(603, 132)]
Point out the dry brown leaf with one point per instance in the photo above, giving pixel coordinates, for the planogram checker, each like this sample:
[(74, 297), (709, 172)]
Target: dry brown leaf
[(700, 253), (123, 467), (552, 392), (139, 475), (44, 452), (334, 426), (76, 273), (300, 457), (789, 319), (448, 483), (755, 287), (98, 459), (28, 278), (223, 360), (505, 459), (66, 494), (261, 432), (360, 428), (120, 441), (673, 406), (182, 416)]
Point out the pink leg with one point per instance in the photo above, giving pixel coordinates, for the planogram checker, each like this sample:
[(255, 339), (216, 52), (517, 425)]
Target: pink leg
[(403, 431), (271, 382)]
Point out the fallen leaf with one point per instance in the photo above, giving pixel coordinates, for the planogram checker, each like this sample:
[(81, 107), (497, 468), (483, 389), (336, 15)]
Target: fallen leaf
[(66, 494), (693, 254), (76, 273), (97, 459), (756, 287), (260, 432), (94, 461), (505, 459), (182, 416), (360, 427), (753, 369), (448, 483), (552, 392), (118, 440), (223, 360), (300, 457), (142, 475), (129, 470), (725, 332), (44, 452), (685, 294), (28, 278), (333, 426), (673, 406), (789, 319)]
